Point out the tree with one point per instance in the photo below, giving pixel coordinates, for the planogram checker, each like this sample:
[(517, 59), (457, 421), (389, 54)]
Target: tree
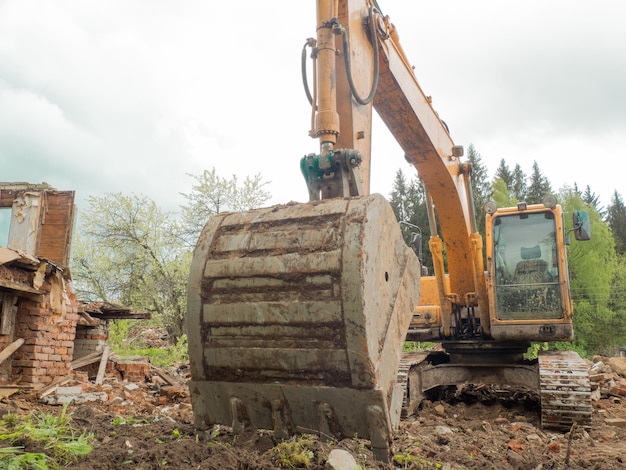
[(481, 188), (408, 200), (617, 303), (399, 197), (593, 200), (501, 194), (130, 252), (504, 174), (518, 189), (212, 194), (616, 218), (539, 186), (592, 265)]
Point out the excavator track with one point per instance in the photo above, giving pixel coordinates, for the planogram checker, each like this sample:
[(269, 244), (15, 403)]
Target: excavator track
[(408, 360), (564, 390)]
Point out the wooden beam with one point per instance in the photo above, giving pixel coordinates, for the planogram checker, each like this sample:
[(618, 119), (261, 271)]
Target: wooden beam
[(8, 313), (52, 387), (168, 379), (10, 349), (103, 365), (85, 360)]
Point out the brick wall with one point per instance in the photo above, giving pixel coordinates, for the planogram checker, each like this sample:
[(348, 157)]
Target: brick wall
[(48, 334), (90, 339)]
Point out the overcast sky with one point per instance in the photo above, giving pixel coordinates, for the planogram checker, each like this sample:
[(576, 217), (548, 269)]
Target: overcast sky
[(131, 96)]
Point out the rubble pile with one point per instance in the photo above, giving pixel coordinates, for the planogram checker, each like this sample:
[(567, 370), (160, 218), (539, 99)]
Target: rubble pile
[(129, 381)]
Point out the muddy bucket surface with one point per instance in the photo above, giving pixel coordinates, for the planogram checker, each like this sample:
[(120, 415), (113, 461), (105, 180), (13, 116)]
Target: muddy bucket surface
[(297, 315)]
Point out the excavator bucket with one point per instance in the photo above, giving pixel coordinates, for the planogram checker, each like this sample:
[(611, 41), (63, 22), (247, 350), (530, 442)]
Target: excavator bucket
[(296, 317)]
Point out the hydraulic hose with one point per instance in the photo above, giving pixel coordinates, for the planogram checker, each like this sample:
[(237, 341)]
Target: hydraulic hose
[(346, 56), (305, 81), (346, 48)]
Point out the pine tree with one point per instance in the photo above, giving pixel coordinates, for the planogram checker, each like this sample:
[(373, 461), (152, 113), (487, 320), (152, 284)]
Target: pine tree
[(408, 200), (539, 186), (481, 188), (616, 219), (504, 174), (501, 194), (399, 196), (518, 189), (593, 200)]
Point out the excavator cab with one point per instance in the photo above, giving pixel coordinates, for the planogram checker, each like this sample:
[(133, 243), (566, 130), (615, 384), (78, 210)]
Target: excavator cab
[(527, 273)]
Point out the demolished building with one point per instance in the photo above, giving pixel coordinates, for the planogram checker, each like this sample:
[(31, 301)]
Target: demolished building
[(43, 326)]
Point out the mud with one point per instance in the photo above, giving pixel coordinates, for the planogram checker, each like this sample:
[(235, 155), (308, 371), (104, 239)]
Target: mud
[(472, 428)]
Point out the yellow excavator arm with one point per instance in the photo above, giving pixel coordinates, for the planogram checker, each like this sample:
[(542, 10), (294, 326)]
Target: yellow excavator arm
[(361, 65), (297, 314)]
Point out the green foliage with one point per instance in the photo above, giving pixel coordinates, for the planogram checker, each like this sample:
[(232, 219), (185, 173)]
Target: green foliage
[(592, 265), (294, 453), (616, 219), (161, 357), (410, 460), (539, 186), (503, 173), (518, 188), (412, 346), (15, 458), (212, 194), (535, 348), (502, 195), (593, 200), (408, 200), (481, 188), (55, 434), (130, 252), (128, 420)]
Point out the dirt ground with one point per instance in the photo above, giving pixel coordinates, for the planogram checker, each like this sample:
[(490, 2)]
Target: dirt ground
[(150, 426)]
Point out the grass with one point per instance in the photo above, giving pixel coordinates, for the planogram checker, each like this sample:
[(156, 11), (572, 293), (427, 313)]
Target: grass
[(294, 453), (414, 346), (42, 441), (124, 342)]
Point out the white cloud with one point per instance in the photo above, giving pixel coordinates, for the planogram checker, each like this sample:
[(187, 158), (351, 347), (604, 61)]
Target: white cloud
[(108, 96)]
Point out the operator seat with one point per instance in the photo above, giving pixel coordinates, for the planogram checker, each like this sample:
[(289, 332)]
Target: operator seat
[(531, 269)]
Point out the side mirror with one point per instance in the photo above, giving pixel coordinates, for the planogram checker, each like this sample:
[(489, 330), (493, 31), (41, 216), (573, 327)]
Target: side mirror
[(582, 226)]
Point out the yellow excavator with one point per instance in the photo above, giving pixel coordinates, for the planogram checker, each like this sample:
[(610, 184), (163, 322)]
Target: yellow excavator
[(297, 314)]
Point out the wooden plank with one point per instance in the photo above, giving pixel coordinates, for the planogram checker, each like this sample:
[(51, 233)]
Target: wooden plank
[(89, 319), (85, 360), (53, 386), (6, 255), (103, 365), (169, 380), (8, 314), (10, 349), (6, 392), (56, 228), (122, 316)]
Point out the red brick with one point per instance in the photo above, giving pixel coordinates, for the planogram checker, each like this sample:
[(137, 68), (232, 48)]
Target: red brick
[(619, 390)]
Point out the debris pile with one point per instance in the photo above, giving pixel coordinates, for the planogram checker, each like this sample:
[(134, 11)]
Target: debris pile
[(608, 377)]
